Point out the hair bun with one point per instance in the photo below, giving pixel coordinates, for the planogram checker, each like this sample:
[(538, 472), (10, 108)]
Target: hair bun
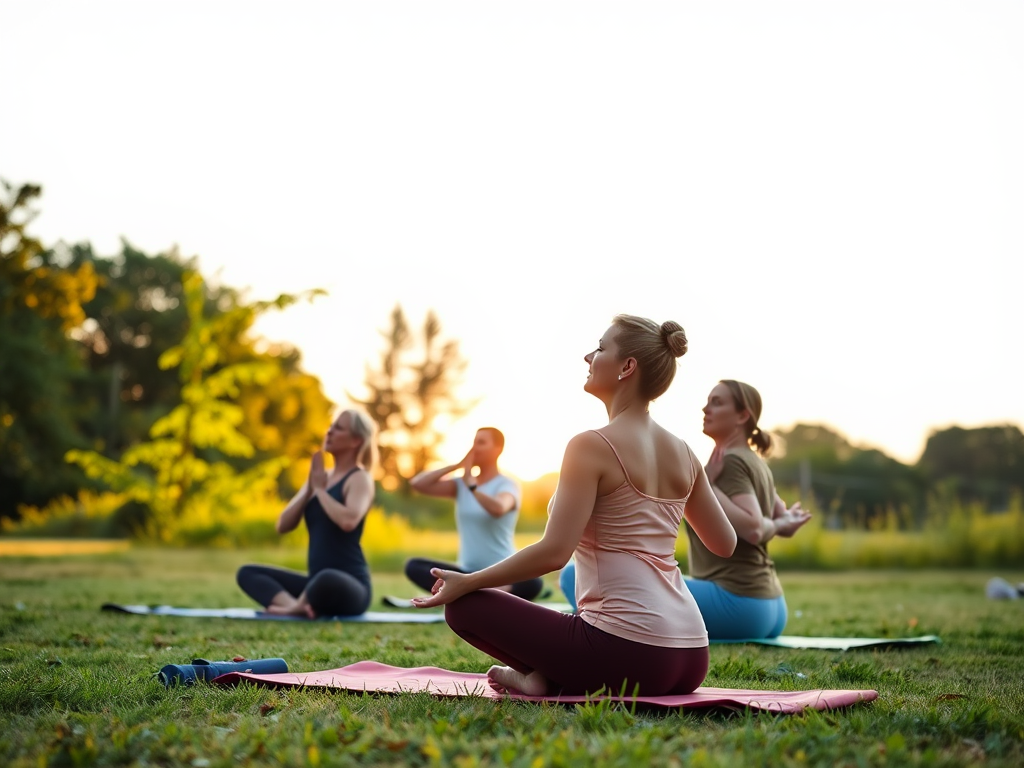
[(674, 336)]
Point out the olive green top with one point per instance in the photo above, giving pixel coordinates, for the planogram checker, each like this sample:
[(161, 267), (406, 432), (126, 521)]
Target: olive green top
[(749, 572)]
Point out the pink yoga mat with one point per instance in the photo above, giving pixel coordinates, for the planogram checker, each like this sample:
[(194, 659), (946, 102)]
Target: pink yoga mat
[(373, 677)]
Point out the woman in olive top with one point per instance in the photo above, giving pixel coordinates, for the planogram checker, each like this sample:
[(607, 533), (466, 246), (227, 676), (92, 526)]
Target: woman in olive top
[(740, 596)]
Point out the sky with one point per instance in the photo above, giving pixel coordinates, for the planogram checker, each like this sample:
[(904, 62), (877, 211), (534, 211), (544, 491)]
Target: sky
[(828, 196)]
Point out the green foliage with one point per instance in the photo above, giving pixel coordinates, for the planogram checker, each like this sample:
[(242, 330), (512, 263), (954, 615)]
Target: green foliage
[(77, 685), (184, 481), (853, 486), (983, 465), (863, 488), (41, 416)]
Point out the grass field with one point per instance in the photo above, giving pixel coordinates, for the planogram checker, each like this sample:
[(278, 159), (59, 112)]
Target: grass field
[(77, 686)]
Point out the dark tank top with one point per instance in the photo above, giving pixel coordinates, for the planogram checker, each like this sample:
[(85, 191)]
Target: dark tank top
[(329, 545)]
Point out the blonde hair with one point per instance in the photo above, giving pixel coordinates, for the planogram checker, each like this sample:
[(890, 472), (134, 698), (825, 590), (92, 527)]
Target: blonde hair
[(363, 426), (655, 348), (748, 399)]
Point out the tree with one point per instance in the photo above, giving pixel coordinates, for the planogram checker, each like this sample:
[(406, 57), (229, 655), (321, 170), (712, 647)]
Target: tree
[(41, 300), (858, 486), (139, 313), (985, 464), (412, 400), (182, 473)]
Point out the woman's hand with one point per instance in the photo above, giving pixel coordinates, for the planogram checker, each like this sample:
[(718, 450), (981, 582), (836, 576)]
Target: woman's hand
[(715, 464), (450, 585), (317, 473), (790, 521)]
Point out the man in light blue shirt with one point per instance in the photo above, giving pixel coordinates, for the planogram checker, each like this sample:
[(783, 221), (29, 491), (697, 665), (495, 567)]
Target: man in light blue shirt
[(486, 510)]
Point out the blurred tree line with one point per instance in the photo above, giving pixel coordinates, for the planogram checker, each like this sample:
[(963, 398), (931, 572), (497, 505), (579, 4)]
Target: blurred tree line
[(862, 487), (131, 386)]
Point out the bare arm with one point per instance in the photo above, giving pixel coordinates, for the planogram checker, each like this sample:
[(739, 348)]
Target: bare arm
[(496, 506), (745, 515), (292, 514), (572, 506), (430, 482), (358, 498), (705, 515), (779, 507)]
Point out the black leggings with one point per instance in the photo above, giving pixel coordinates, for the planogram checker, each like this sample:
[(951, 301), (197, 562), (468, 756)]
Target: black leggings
[(329, 593), (574, 656), (417, 570)]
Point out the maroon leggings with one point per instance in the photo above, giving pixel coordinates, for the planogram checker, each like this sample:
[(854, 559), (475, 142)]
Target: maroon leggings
[(574, 656)]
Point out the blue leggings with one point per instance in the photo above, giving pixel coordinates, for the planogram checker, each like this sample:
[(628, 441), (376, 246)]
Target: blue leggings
[(727, 616)]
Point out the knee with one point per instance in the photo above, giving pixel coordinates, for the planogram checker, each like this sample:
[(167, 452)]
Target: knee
[(459, 613), (243, 574)]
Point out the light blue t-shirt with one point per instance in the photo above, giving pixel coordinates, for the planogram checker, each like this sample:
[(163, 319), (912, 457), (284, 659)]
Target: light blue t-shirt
[(484, 539)]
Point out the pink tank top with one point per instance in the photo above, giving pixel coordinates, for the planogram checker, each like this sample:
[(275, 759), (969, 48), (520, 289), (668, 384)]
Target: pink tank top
[(628, 582)]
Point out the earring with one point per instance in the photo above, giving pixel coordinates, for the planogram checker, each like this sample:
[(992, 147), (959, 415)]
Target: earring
[(620, 377)]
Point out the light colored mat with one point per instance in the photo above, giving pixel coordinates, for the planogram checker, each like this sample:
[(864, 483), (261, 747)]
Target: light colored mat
[(370, 617), (838, 643)]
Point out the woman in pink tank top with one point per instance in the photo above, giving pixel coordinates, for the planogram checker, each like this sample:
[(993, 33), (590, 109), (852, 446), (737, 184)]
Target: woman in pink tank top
[(623, 492)]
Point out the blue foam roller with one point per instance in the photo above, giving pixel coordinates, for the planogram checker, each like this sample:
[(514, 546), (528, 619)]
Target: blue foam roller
[(201, 669)]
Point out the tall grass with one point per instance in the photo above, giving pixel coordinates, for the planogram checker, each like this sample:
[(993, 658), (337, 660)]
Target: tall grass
[(955, 535)]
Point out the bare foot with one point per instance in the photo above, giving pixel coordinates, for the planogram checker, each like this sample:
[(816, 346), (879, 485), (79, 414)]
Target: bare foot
[(507, 680), (279, 610), (302, 610)]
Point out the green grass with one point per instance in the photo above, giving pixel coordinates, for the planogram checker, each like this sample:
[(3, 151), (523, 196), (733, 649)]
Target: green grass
[(77, 686)]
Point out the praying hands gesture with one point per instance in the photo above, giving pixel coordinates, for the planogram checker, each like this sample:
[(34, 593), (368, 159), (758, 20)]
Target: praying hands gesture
[(317, 473)]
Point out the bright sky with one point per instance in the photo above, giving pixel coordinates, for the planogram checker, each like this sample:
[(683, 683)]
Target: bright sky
[(829, 196)]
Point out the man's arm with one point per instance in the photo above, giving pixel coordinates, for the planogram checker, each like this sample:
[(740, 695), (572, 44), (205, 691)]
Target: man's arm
[(431, 482), (498, 505)]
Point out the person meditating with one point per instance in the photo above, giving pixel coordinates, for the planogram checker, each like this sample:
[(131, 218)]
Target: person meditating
[(334, 505), (740, 597), (486, 510), (622, 494)]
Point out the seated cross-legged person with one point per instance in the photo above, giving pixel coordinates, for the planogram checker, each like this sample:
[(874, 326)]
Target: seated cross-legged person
[(740, 596), (486, 510), (622, 493), (334, 505)]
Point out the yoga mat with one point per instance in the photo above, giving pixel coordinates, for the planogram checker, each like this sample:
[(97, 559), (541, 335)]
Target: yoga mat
[(838, 643), (370, 617), (373, 677), (202, 669)]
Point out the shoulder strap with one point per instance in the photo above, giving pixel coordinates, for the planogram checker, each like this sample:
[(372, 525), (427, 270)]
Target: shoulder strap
[(617, 458), (693, 473), (344, 479)]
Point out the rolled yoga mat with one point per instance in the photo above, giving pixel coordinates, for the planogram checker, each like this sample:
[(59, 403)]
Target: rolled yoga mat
[(374, 677), (370, 617), (201, 669)]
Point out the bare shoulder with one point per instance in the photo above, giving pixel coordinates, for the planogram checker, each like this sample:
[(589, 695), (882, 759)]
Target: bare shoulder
[(362, 478), (585, 443)]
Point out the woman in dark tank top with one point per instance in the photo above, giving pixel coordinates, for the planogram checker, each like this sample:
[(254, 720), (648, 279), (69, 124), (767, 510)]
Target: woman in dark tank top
[(334, 505)]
